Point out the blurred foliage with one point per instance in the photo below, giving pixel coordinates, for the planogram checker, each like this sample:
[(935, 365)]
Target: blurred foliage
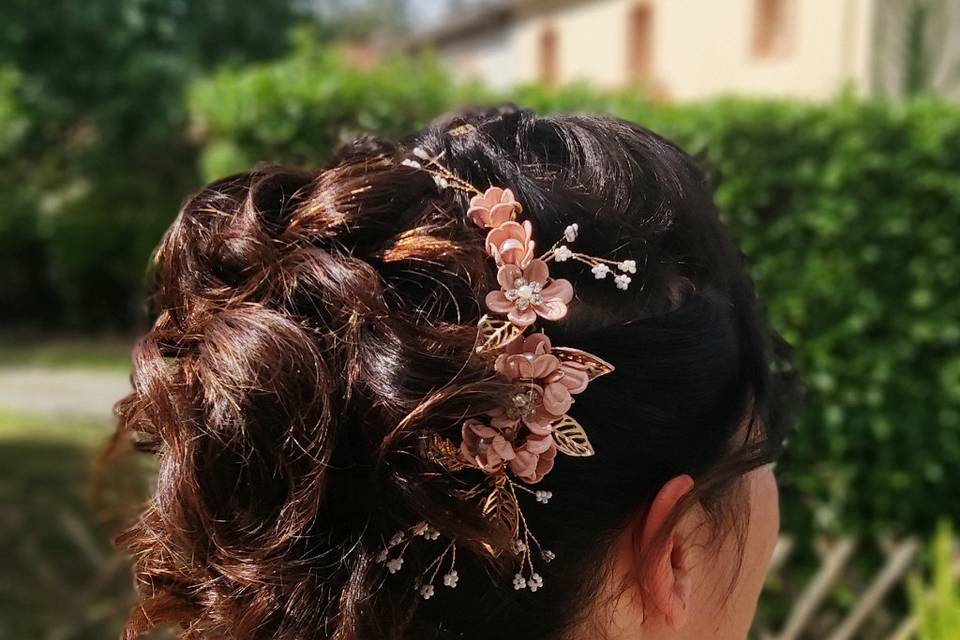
[(936, 604), (93, 144), (300, 108), (849, 213)]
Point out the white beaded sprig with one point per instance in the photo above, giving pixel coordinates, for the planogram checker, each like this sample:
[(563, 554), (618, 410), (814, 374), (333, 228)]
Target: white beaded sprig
[(450, 579), (424, 584), (599, 267), (535, 582), (443, 177)]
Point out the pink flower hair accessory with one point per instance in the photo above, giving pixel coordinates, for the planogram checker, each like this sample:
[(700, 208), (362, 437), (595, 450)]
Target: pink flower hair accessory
[(561, 375), (493, 207), (528, 293), (516, 443), (511, 243)]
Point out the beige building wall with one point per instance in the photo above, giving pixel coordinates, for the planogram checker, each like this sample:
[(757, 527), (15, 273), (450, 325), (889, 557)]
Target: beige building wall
[(488, 56), (590, 45), (702, 48)]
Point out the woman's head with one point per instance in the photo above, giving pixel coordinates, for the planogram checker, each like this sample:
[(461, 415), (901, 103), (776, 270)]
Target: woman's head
[(315, 334)]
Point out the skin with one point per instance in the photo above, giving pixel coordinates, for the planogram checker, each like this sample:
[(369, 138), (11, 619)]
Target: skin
[(686, 585)]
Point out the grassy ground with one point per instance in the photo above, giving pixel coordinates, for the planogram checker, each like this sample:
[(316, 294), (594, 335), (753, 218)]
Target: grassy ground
[(61, 579), (100, 354)]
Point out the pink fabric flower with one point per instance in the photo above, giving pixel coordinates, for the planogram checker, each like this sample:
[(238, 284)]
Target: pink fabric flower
[(534, 459), (493, 207), (511, 243), (526, 294), (525, 406), (531, 359), (484, 447)]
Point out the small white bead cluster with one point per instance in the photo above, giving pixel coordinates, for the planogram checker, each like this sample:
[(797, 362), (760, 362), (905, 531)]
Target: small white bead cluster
[(600, 271), (562, 253), (450, 580), (524, 293), (543, 497), (623, 280), (395, 564), (430, 533), (547, 555), (519, 546), (533, 583)]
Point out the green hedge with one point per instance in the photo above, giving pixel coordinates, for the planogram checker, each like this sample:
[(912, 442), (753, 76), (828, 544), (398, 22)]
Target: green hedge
[(849, 212), (94, 144), (298, 109)]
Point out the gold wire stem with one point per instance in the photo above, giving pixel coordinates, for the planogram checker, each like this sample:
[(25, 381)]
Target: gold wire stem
[(435, 564), (443, 172)]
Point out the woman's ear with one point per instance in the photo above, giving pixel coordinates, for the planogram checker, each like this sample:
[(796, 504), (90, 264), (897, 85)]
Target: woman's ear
[(665, 557)]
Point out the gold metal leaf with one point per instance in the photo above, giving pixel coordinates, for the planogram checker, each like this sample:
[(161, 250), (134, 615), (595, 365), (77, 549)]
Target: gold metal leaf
[(462, 130), (595, 366), (446, 454), (571, 439), (494, 334), (501, 506)]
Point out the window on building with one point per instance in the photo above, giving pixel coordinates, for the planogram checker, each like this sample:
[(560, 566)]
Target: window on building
[(548, 57), (640, 42), (773, 26)]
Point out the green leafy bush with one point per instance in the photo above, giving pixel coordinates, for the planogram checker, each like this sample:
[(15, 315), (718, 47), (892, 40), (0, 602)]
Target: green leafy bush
[(94, 145), (849, 213), (298, 109), (936, 606)]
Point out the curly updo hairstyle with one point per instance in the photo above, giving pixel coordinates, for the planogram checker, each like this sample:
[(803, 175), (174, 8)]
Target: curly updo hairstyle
[(315, 329)]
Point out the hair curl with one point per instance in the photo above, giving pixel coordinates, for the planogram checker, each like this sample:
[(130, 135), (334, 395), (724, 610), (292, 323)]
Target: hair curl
[(315, 329)]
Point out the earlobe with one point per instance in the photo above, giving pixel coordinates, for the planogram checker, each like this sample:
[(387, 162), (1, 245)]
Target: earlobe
[(665, 558)]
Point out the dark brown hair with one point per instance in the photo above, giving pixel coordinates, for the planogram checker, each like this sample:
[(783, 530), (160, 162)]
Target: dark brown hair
[(315, 329)]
